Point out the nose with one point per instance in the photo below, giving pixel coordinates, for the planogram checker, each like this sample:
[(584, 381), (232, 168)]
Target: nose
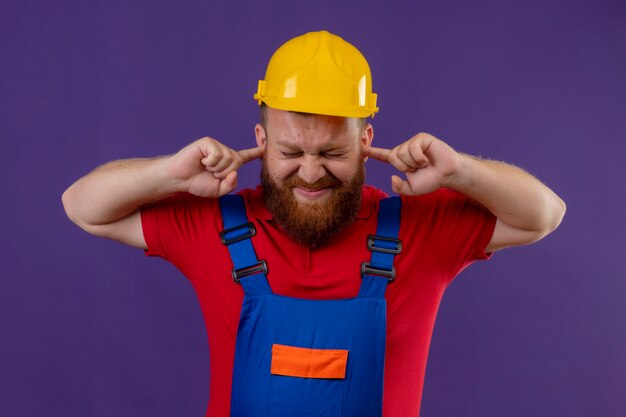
[(311, 169)]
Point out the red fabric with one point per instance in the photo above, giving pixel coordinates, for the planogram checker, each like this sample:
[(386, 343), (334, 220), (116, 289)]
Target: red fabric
[(442, 233)]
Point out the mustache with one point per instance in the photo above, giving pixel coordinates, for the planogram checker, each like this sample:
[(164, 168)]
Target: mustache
[(327, 181)]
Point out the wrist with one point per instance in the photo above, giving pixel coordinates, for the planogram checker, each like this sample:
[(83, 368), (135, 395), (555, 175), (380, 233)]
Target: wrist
[(162, 175), (460, 176)]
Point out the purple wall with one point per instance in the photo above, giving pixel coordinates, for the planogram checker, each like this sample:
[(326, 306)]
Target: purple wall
[(91, 328)]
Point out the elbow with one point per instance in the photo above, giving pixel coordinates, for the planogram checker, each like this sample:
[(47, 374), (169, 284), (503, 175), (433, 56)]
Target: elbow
[(558, 212), (545, 221), (72, 209), (66, 200), (553, 218), (553, 213)]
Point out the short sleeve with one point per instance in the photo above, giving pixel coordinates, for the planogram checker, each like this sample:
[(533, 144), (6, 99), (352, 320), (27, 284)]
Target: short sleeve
[(177, 228), (456, 228)]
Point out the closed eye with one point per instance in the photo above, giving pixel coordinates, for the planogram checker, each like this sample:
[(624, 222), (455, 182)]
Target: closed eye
[(334, 155), (291, 154)]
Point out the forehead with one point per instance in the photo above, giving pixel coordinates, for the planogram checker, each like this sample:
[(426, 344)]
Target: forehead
[(310, 130)]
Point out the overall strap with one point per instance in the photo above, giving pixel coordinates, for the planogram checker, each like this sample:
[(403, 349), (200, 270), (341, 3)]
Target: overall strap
[(384, 245), (248, 270)]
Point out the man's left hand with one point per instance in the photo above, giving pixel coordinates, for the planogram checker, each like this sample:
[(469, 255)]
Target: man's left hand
[(427, 162)]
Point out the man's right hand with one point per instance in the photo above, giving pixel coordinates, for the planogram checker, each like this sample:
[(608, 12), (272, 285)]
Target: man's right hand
[(208, 168), (106, 201)]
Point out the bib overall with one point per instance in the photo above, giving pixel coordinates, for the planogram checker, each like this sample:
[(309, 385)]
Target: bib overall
[(309, 358)]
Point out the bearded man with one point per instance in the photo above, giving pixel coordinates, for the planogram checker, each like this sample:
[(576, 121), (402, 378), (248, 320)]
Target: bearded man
[(335, 287)]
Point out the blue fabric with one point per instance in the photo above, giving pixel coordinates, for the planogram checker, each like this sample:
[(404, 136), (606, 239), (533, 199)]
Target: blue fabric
[(389, 227), (242, 252), (356, 324)]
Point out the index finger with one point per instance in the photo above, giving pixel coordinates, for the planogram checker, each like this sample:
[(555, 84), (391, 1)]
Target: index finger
[(250, 154), (379, 154)]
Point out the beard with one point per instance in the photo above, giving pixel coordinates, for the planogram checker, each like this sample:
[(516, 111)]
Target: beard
[(313, 223)]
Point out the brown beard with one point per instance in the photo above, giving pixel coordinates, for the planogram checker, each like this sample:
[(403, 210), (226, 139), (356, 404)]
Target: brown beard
[(311, 224)]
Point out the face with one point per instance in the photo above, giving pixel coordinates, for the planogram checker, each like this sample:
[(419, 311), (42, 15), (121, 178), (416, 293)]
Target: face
[(313, 170)]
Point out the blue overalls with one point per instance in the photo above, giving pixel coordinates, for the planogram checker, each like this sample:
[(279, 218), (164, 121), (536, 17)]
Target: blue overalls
[(309, 358)]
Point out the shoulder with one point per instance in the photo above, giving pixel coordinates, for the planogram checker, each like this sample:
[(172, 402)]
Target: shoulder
[(178, 214), (370, 199), (371, 193), (181, 205), (439, 199), (444, 210), (255, 206)]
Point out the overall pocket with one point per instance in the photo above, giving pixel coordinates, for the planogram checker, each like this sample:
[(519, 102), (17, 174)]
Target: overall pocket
[(307, 382)]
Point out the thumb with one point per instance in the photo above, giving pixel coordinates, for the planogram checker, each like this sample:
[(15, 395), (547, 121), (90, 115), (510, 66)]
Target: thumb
[(227, 184), (400, 186)]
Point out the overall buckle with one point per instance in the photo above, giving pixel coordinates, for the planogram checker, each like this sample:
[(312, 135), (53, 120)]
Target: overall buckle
[(368, 269), (372, 244), (259, 267), (249, 228)]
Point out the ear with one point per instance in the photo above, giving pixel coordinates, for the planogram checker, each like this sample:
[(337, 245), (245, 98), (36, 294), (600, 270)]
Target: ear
[(367, 137), (261, 136)]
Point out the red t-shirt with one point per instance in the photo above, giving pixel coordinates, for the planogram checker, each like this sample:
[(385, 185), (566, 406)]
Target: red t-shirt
[(441, 233)]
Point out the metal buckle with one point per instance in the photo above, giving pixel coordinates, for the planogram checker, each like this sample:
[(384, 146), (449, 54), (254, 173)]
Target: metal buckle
[(256, 268), (371, 244), (368, 269), (227, 241)]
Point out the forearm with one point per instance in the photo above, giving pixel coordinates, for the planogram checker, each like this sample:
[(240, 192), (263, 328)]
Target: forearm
[(117, 189), (512, 195)]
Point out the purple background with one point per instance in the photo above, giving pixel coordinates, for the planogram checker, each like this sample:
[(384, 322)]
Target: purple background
[(91, 328)]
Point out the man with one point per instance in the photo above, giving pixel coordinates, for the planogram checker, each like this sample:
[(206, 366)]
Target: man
[(313, 322)]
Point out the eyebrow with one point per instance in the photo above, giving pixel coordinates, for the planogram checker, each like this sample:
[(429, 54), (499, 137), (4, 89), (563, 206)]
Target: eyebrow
[(287, 145)]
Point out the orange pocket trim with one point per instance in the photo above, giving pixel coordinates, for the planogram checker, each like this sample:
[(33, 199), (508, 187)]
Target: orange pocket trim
[(309, 363)]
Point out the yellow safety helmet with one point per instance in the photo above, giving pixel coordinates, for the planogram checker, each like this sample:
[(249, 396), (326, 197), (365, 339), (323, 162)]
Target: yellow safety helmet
[(319, 73)]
